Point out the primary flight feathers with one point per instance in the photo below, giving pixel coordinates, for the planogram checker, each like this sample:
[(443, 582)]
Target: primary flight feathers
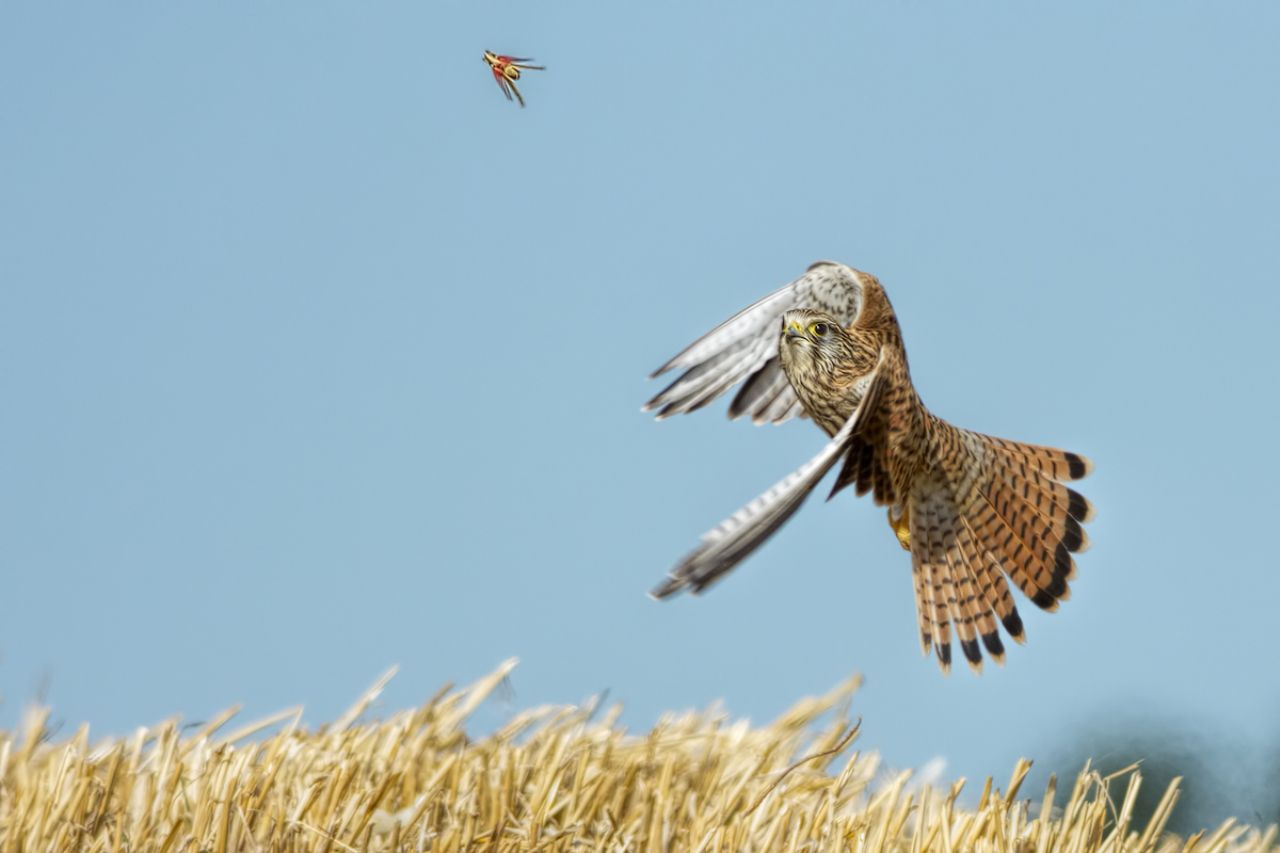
[(740, 534), (746, 347)]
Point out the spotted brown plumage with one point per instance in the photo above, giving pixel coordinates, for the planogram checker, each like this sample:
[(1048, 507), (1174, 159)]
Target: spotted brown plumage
[(974, 511)]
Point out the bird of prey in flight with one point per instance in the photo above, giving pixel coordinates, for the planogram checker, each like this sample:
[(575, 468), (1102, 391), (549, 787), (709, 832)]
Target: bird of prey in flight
[(975, 511), (506, 71)]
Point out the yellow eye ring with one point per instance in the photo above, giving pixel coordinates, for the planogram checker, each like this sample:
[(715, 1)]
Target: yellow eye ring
[(818, 329)]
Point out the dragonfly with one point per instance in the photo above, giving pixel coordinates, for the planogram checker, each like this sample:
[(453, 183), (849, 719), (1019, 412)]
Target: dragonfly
[(506, 71)]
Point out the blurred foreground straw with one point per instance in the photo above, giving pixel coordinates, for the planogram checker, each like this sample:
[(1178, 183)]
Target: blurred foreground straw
[(553, 778)]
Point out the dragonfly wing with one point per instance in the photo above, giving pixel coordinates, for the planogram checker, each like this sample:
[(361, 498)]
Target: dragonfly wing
[(502, 84)]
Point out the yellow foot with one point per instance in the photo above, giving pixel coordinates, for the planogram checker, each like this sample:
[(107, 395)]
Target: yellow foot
[(901, 527)]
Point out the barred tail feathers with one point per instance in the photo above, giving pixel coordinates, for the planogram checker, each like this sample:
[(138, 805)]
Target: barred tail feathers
[(985, 509)]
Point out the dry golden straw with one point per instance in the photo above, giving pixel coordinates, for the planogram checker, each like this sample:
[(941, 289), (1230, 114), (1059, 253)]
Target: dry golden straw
[(554, 778)]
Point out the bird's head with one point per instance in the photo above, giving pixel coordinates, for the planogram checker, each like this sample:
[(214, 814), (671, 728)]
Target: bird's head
[(490, 58), (820, 356), (812, 336)]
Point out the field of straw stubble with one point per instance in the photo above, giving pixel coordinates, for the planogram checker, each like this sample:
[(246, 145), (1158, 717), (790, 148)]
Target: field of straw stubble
[(553, 778)]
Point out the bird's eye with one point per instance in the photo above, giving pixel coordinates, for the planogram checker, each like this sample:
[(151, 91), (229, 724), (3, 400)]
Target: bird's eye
[(819, 329)]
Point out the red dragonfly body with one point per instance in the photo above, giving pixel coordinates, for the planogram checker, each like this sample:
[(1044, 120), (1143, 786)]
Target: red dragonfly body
[(506, 71)]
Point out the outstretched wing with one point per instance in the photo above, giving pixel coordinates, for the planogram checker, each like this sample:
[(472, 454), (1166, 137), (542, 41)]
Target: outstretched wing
[(746, 347), (737, 536)]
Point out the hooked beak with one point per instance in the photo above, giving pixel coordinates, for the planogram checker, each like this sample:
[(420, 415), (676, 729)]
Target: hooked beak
[(794, 330)]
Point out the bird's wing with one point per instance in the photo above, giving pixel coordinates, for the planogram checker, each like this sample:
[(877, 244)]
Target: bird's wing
[(746, 347), (736, 537)]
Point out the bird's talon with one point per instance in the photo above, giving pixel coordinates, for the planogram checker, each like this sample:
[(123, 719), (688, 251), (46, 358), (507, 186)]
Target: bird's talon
[(901, 528)]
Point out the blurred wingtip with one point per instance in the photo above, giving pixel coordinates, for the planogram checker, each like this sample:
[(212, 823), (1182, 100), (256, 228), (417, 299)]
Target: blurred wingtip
[(666, 589), (667, 365)]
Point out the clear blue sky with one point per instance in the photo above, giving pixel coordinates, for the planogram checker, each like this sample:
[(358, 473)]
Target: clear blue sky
[(317, 355)]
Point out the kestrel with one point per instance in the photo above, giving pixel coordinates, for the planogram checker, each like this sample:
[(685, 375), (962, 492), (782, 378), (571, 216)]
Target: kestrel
[(972, 509), (506, 71)]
